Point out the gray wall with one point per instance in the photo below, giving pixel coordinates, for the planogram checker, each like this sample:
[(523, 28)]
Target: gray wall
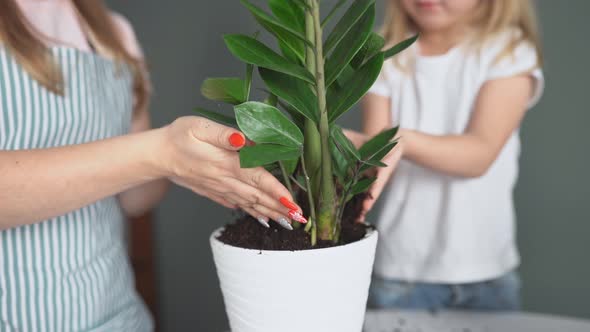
[(184, 46)]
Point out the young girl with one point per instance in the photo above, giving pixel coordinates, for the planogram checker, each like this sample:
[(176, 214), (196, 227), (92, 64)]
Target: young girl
[(77, 156), (447, 230)]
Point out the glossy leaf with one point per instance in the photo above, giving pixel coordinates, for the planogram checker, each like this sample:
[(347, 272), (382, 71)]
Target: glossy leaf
[(264, 154), (262, 16), (372, 47), (375, 144), (340, 164), (290, 165), (295, 92), (332, 12), (228, 90), (348, 22), (263, 123), (400, 47), (349, 46), (341, 100), (289, 13), (217, 117), (378, 156), (361, 186), (296, 117), (254, 52), (344, 143)]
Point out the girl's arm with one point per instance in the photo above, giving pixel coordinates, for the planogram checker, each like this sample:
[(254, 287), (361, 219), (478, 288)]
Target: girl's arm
[(499, 110)]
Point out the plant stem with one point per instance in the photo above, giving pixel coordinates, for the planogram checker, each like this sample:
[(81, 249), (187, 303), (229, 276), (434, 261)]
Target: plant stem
[(312, 222), (286, 178), (346, 192), (312, 146), (326, 220)]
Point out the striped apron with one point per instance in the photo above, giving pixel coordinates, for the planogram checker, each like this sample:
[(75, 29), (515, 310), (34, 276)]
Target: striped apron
[(70, 273)]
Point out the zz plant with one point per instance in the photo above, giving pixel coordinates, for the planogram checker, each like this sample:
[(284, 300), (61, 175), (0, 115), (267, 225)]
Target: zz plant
[(311, 82)]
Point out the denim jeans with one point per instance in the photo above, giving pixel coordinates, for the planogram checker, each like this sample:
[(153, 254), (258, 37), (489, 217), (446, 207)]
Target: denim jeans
[(501, 294)]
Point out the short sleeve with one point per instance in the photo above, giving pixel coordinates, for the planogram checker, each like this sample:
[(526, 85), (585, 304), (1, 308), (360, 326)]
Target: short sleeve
[(382, 87), (522, 61)]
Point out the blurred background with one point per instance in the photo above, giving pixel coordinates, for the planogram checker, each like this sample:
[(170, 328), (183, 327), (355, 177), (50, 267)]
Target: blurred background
[(183, 45)]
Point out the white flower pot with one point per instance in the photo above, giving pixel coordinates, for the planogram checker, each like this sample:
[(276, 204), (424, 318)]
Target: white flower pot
[(321, 290)]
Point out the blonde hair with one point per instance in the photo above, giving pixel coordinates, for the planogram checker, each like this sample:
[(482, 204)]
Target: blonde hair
[(491, 18), (17, 35)]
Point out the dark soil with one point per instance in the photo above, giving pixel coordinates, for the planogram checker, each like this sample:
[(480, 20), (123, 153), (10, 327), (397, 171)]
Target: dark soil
[(247, 233)]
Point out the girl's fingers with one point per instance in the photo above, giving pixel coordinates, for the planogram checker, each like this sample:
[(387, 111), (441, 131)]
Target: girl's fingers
[(383, 176)]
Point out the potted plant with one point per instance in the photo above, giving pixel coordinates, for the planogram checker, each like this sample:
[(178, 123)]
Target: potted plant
[(311, 81)]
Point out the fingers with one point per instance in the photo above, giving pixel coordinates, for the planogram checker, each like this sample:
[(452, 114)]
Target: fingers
[(218, 135), (266, 183), (383, 176)]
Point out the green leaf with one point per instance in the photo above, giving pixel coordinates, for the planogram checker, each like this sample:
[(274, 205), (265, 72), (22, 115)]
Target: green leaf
[(248, 81), (378, 156), (290, 165), (296, 117), (362, 186), (372, 47), (289, 13), (374, 163), (333, 12), (349, 46), (348, 23), (228, 90), (344, 143), (295, 92), (263, 123), (254, 52), (341, 100), (262, 16), (340, 162), (249, 71), (264, 154), (377, 143), (400, 47), (217, 117), (302, 3)]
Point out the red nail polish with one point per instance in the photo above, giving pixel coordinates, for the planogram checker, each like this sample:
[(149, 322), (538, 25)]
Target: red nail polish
[(295, 215), (237, 140), (288, 204)]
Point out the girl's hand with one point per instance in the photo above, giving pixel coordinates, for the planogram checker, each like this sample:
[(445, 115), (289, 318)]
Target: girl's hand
[(201, 155), (383, 175)]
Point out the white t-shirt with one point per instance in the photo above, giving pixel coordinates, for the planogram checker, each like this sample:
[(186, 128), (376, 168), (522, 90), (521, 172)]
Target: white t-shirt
[(436, 227)]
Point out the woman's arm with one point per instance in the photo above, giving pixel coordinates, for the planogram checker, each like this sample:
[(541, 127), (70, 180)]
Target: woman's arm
[(499, 110), (193, 152), (139, 200), (40, 184)]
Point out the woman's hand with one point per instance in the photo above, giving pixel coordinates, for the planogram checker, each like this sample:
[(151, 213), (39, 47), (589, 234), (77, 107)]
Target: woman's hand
[(201, 155)]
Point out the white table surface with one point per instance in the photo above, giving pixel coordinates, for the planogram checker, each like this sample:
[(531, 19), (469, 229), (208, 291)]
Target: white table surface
[(461, 321)]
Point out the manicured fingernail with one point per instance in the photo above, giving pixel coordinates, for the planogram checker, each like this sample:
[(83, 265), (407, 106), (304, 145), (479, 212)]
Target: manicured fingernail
[(263, 221), (237, 140), (288, 204), (295, 215), (285, 223)]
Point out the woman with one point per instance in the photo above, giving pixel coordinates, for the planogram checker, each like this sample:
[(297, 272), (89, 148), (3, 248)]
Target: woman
[(77, 156)]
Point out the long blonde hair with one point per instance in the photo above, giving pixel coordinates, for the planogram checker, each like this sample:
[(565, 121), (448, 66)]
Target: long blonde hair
[(17, 35), (491, 17)]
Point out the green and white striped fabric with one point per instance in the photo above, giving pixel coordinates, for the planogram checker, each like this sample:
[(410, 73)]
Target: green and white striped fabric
[(70, 273)]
